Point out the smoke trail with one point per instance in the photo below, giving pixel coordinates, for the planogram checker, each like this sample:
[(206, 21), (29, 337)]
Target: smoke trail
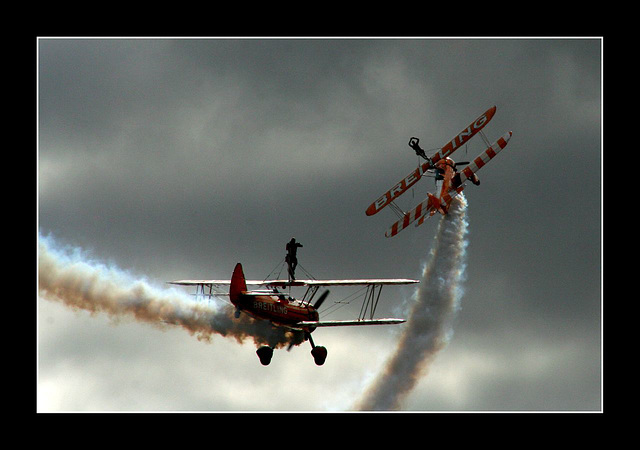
[(428, 328), (68, 277)]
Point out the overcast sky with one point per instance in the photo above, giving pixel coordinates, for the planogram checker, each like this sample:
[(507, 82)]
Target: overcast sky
[(178, 158)]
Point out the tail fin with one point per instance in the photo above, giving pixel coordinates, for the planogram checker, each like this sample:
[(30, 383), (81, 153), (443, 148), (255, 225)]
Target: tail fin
[(238, 283), (437, 205)]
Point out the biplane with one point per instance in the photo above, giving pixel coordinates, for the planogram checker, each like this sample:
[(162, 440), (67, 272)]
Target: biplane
[(300, 315), (444, 170)]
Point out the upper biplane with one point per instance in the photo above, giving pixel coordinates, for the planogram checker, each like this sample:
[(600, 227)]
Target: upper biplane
[(444, 169), (301, 315)]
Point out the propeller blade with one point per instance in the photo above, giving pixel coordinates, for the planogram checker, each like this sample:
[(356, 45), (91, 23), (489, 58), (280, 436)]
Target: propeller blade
[(321, 300), (462, 163)]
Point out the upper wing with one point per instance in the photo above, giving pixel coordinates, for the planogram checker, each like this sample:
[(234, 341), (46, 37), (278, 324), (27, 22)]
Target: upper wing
[(363, 282), (355, 282), (213, 282), (411, 179), (465, 135), (398, 189)]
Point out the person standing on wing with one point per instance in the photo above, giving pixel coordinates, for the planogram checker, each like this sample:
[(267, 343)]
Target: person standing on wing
[(292, 258)]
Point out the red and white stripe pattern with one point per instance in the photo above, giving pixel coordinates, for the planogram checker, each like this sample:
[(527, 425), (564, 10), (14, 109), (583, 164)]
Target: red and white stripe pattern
[(484, 158), (445, 151), (448, 196), (420, 210)]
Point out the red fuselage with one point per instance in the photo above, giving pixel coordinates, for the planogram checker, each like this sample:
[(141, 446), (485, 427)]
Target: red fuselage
[(275, 308), (278, 308), (446, 171)]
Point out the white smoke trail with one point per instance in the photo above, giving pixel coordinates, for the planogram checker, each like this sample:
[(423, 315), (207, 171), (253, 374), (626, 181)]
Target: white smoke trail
[(67, 276), (429, 326)]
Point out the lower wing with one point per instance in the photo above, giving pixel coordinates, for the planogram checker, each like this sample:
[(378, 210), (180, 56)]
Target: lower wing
[(345, 323), (418, 212), (481, 160)]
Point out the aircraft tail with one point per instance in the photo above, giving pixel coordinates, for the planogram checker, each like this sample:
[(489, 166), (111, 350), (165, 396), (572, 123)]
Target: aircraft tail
[(437, 205), (238, 283)]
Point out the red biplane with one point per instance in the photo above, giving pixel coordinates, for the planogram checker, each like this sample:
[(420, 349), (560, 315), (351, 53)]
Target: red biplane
[(282, 310), (444, 170)]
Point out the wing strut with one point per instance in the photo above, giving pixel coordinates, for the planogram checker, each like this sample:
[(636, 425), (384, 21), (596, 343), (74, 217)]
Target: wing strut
[(396, 209), (311, 291), (484, 138), (200, 291), (370, 302)]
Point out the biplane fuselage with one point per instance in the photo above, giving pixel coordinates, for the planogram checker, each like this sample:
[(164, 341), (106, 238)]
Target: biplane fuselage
[(446, 169), (278, 308)]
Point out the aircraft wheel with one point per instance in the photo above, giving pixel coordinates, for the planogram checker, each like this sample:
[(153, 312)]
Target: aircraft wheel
[(319, 355), (265, 353)]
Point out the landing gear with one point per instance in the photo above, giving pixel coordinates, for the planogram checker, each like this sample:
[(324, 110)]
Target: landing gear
[(319, 353), (265, 353)]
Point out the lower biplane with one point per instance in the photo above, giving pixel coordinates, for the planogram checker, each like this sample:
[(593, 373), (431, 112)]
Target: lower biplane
[(301, 315), (445, 170)]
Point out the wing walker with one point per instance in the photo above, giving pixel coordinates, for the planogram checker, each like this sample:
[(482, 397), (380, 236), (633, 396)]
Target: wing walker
[(300, 315), (445, 170)]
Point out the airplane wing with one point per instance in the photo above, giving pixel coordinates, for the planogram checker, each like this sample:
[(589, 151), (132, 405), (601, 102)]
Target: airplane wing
[(400, 188), (213, 282), (465, 135), (419, 212), (363, 282), (411, 179), (283, 283), (480, 161), (343, 323)]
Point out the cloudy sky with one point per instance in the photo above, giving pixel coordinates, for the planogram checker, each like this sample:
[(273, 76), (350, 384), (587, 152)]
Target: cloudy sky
[(178, 158)]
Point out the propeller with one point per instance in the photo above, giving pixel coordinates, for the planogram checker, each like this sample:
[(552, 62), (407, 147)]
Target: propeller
[(321, 300), (462, 163)]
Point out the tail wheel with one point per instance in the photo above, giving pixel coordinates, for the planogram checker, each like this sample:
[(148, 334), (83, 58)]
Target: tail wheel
[(265, 353), (319, 355)]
